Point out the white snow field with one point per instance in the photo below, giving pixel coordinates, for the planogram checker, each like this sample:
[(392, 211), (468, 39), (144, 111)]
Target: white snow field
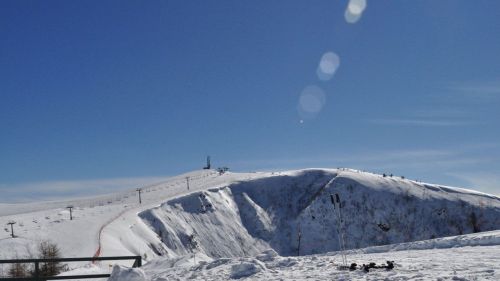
[(247, 226)]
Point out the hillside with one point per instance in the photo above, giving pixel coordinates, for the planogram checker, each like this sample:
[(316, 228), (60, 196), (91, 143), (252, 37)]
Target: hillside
[(222, 218), (245, 218)]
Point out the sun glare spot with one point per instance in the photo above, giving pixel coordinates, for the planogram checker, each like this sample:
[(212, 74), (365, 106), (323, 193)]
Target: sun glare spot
[(354, 10), (328, 65), (311, 101), (356, 7), (351, 18)]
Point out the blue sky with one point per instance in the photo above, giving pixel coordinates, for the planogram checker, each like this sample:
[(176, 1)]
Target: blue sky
[(132, 91)]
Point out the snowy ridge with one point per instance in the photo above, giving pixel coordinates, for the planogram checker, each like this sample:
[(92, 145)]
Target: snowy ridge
[(246, 225), (247, 217), (489, 238)]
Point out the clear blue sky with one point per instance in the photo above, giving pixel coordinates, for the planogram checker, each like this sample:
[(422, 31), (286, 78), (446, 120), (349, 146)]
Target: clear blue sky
[(103, 90)]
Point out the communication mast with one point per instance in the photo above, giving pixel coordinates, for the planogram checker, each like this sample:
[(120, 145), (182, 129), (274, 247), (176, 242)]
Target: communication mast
[(207, 167)]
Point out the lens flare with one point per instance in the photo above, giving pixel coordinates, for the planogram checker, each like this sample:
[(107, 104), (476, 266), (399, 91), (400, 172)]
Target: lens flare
[(328, 65), (356, 7), (350, 17), (311, 101), (354, 10)]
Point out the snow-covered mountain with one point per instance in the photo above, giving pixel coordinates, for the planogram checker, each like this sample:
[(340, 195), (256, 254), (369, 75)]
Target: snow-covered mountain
[(247, 217), (253, 215)]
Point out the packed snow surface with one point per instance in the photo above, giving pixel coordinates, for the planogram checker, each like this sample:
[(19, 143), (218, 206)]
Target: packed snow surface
[(455, 263), (121, 273), (247, 226)]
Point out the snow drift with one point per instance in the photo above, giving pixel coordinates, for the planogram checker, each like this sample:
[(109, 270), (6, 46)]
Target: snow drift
[(121, 273)]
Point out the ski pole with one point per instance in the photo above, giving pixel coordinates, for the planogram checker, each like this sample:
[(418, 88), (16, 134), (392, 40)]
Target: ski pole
[(338, 228), (342, 227)]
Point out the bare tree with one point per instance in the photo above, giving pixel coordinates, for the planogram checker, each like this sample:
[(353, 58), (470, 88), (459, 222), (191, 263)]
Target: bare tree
[(49, 250), (19, 270)]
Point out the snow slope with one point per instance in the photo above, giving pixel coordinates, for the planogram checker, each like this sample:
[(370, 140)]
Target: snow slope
[(245, 218), (78, 237), (449, 261), (240, 215), (97, 221)]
